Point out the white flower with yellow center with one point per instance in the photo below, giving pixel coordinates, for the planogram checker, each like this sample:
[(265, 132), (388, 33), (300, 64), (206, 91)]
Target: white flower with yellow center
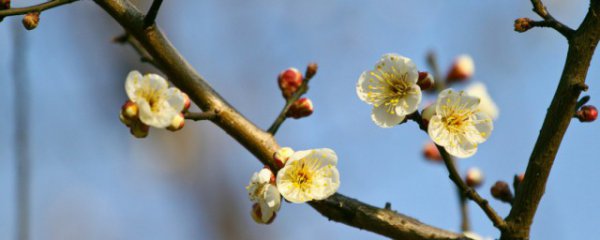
[(458, 125), (262, 190), (309, 175), (486, 105), (391, 88), (158, 104)]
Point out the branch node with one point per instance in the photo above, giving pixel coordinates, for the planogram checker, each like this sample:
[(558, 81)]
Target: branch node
[(152, 13)]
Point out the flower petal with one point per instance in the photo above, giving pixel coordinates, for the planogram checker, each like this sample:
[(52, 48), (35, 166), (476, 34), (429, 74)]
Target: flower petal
[(362, 87), (272, 197), (463, 148), (297, 156), (383, 119), (409, 103), (160, 118), (132, 84), (326, 183), (486, 105), (438, 133), (175, 98), (326, 156), (155, 82), (398, 65)]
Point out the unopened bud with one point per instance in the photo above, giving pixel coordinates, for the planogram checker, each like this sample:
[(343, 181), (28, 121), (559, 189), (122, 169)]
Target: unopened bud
[(302, 107), (428, 113), (282, 155), (425, 81), (461, 70), (289, 81), (587, 113), (311, 70), (430, 152), (130, 110), (523, 24), (125, 120), (31, 20), (177, 123), (474, 177), (139, 129), (186, 102), (256, 214), (501, 191)]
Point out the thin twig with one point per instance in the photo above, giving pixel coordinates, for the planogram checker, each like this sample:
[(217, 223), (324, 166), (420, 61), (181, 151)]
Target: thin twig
[(283, 114), (549, 20), (432, 61), (36, 8), (137, 46), (151, 16), (458, 181), (198, 116), (21, 108), (470, 192)]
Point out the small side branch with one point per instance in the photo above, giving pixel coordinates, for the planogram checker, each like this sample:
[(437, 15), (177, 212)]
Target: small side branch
[(549, 20), (283, 114), (198, 116), (470, 192), (36, 8), (151, 16), (137, 46)]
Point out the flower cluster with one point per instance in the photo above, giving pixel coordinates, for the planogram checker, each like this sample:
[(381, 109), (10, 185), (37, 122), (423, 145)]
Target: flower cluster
[(305, 176), (152, 103), (457, 121)]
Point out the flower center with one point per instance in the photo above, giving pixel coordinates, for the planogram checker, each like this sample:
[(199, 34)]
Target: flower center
[(303, 172), (389, 89), (152, 96), (457, 121)]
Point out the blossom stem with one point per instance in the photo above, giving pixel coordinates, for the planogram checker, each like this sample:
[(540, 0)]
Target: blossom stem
[(283, 114)]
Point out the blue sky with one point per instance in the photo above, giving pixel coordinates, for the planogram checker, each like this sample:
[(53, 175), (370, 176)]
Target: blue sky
[(92, 180)]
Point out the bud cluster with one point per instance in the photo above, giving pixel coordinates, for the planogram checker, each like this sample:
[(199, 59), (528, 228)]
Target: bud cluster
[(289, 82)]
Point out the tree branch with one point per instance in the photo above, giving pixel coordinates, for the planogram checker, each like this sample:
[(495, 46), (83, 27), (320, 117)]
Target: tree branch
[(36, 8), (260, 143), (549, 21), (135, 44), (581, 48), (210, 115)]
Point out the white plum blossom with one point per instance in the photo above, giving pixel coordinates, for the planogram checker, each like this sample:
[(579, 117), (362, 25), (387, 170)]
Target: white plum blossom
[(309, 175), (486, 105), (458, 125), (264, 193), (391, 88), (158, 104)]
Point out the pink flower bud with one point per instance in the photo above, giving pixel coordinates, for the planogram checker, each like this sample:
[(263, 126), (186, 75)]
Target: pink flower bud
[(177, 123), (587, 113), (187, 102), (130, 110), (31, 20), (501, 191), (425, 81), (139, 130), (289, 81), (256, 214), (282, 155), (523, 24), (461, 70), (474, 177), (302, 107), (311, 70), (430, 152)]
